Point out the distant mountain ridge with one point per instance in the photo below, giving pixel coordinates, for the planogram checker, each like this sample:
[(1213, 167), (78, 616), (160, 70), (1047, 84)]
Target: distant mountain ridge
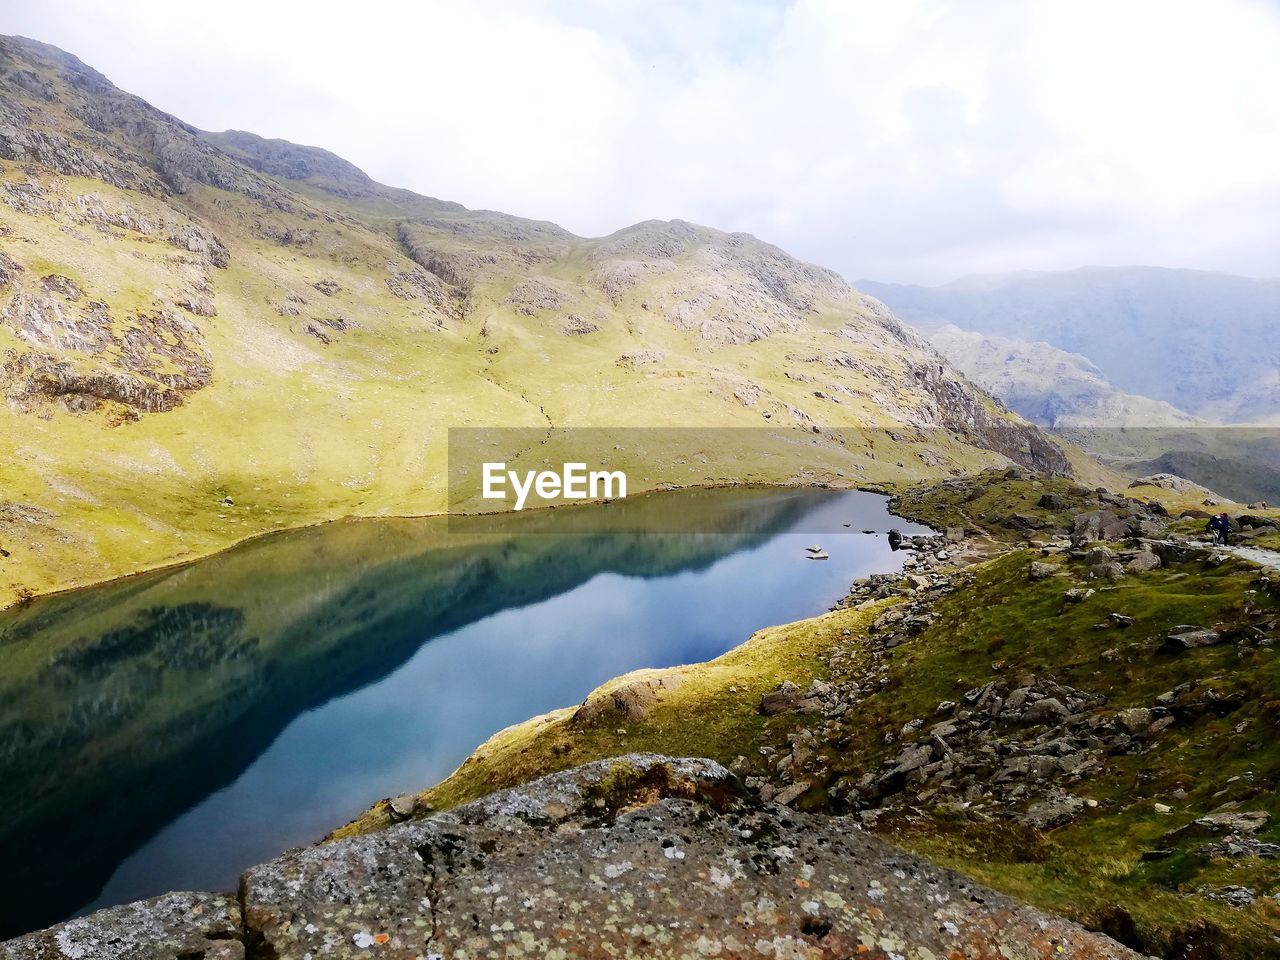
[(1051, 387), (1207, 343)]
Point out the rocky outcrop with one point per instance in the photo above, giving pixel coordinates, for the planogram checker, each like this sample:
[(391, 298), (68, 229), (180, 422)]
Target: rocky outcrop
[(1051, 387), (644, 856), (187, 925)]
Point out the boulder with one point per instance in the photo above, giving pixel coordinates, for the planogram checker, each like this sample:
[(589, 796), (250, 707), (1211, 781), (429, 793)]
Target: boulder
[(1106, 571), (1135, 720), (629, 701), (789, 698), (1240, 823), (548, 865), (1189, 639), (1054, 811), (1048, 710), (1051, 501), (1086, 527), (402, 807), (1167, 481), (1041, 571), (1097, 555), (1145, 560), (204, 925)]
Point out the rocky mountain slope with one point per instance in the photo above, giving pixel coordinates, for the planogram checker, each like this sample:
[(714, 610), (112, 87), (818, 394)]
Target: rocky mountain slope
[(208, 336), (1207, 343), (1049, 386)]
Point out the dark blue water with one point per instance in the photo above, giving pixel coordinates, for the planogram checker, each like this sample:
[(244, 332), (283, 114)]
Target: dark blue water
[(209, 718)]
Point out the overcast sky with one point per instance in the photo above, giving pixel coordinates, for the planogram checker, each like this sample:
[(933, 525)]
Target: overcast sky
[(913, 140)]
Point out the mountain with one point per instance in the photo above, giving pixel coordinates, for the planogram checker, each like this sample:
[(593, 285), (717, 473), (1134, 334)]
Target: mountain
[(1207, 343), (1051, 387), (206, 336)]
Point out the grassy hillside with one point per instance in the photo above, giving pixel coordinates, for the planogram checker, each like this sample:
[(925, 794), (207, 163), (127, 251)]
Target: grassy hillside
[(1094, 808), (209, 336)]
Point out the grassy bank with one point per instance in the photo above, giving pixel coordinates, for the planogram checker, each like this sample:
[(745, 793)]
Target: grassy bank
[(1117, 864)]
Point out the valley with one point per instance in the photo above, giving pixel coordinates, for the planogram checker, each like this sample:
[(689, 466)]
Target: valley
[(315, 491)]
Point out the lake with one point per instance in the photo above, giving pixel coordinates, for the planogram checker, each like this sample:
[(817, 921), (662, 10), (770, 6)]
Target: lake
[(166, 731)]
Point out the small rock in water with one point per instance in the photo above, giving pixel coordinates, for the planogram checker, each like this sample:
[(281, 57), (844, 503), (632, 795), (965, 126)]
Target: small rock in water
[(820, 555), (814, 548)]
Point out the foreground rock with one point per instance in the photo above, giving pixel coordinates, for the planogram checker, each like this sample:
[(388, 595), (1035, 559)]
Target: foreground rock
[(639, 857), (194, 925)]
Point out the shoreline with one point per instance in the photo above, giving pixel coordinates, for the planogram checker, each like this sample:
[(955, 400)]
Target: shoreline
[(8, 606)]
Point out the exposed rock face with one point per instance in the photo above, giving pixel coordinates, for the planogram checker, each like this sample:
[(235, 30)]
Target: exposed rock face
[(205, 925), (1121, 318), (644, 856), (628, 701), (1051, 387)]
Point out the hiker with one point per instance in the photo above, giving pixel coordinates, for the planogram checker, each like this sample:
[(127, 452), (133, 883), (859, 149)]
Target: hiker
[(1218, 526)]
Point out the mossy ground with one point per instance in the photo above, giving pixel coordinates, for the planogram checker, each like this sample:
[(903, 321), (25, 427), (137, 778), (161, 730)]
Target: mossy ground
[(1002, 624), (1005, 625)]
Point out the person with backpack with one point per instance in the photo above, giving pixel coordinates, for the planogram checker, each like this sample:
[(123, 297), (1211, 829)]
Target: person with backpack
[(1219, 526)]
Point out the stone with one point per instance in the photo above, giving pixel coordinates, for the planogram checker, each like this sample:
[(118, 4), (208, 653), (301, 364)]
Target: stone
[(1243, 823), (1135, 720), (1189, 640), (1233, 847), (402, 807), (1096, 556), (1051, 501), (1145, 560), (1041, 571), (628, 701), (1078, 594), (789, 795), (1106, 571), (1048, 710), (1232, 895), (162, 928), (1120, 620), (545, 866), (787, 698)]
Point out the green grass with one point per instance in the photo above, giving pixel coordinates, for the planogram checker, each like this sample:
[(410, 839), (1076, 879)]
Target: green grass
[(1003, 625), (299, 432)]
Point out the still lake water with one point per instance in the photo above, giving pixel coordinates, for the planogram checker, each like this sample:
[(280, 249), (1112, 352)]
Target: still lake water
[(165, 732)]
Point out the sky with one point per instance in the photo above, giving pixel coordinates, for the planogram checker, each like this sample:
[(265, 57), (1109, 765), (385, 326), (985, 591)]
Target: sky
[(912, 141)]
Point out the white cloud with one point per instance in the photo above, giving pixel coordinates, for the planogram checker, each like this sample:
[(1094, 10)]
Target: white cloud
[(912, 140)]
